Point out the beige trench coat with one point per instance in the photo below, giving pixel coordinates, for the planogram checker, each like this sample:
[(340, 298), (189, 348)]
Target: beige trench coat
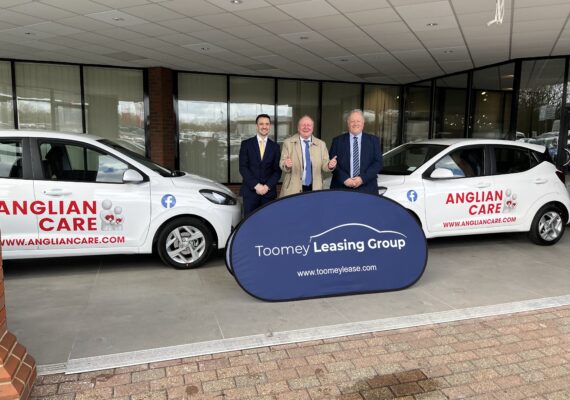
[(292, 178)]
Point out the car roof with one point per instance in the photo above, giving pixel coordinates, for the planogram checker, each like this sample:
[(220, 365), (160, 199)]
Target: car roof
[(48, 134), (458, 142)]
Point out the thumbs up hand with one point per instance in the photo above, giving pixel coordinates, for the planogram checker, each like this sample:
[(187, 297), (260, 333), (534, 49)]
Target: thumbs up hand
[(288, 162), (332, 163)]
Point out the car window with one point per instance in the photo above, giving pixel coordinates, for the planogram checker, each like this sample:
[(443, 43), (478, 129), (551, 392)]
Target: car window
[(67, 162), (510, 160), (10, 159), (405, 159), (464, 162)]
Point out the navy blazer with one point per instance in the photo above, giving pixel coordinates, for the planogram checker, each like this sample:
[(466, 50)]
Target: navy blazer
[(254, 170), (370, 162)]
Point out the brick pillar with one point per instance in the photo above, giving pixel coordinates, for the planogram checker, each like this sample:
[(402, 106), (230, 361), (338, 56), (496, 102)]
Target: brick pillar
[(17, 367), (162, 116)]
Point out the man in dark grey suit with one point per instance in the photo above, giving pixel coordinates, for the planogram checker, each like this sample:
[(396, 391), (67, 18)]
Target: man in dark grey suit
[(359, 157)]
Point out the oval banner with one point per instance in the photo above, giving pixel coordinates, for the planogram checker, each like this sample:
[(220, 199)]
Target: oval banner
[(327, 243)]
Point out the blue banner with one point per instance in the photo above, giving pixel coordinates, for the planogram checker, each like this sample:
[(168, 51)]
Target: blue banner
[(327, 243)]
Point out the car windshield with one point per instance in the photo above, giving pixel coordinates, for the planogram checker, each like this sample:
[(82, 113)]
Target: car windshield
[(141, 159), (405, 159)]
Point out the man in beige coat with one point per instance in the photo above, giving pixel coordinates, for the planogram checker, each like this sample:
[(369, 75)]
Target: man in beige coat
[(303, 160)]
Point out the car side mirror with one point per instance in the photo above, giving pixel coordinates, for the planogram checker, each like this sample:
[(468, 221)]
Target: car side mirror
[(132, 176), (441, 173)]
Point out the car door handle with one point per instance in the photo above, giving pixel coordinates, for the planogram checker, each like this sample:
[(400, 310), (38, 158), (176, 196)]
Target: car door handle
[(540, 180), (56, 192), (482, 184)]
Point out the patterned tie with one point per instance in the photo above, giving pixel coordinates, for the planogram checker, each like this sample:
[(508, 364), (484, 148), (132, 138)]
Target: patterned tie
[(308, 166), (355, 157), (261, 148)]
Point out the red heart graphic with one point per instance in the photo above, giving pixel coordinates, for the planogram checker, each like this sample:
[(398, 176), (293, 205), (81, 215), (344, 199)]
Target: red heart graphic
[(509, 202), (109, 217), (119, 220)]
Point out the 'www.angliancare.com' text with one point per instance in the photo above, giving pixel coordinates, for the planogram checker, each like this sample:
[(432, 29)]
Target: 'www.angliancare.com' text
[(336, 271)]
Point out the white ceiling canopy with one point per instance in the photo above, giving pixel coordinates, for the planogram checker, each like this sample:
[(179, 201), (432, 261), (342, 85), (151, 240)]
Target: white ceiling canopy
[(380, 41)]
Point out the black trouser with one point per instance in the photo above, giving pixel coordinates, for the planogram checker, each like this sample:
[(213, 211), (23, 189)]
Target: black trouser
[(307, 188)]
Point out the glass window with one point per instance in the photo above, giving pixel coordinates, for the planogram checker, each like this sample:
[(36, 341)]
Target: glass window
[(49, 97), (540, 99), (114, 105), (337, 101), (416, 111), (6, 101), (464, 163), (407, 158), (450, 100), (203, 125), (294, 100), (510, 160), (381, 111), (10, 159), (249, 97), (492, 91), (67, 162)]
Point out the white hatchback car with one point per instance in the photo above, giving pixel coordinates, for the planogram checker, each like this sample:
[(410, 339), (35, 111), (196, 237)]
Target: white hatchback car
[(67, 194), (474, 186)]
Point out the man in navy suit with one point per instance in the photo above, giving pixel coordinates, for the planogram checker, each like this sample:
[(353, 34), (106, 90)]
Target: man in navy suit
[(259, 167), (359, 157)]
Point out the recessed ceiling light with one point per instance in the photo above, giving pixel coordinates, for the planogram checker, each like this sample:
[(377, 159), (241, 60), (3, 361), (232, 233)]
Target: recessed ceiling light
[(236, 1), (508, 76), (432, 24), (483, 93), (29, 33), (303, 38), (447, 51), (118, 19), (205, 48)]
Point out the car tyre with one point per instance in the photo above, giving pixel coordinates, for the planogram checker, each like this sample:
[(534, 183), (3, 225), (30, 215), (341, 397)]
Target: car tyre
[(184, 243), (547, 226)]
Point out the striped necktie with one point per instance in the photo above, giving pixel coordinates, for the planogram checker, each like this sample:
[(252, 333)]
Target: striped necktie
[(355, 158)]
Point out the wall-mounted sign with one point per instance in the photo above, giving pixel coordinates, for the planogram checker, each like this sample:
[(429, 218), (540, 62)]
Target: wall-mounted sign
[(327, 243)]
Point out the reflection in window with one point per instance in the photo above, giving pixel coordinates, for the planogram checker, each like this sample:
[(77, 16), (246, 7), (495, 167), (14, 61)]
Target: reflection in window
[(450, 99), (203, 117), (296, 99), (49, 97), (510, 160), (338, 100), (416, 114), (114, 105), (6, 102), (492, 90), (463, 163), (381, 111), (10, 159), (540, 101), (249, 97)]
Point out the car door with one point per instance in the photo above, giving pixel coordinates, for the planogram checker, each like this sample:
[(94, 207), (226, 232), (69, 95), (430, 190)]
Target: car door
[(521, 180), (18, 221), (87, 204), (468, 196)]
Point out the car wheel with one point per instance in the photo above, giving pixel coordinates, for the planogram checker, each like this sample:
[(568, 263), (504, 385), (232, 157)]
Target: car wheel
[(547, 226), (184, 243)]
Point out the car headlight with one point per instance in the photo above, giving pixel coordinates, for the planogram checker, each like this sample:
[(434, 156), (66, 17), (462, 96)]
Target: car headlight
[(218, 197)]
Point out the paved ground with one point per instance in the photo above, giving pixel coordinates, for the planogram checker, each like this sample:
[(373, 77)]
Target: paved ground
[(86, 313), (518, 356)]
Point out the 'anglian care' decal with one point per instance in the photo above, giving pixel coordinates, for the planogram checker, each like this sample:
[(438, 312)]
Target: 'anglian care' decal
[(327, 243)]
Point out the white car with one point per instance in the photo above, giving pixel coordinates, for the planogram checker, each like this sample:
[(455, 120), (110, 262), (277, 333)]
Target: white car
[(67, 194), (474, 186)]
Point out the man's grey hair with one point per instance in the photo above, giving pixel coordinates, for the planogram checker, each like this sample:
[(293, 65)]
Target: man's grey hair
[(356, 110)]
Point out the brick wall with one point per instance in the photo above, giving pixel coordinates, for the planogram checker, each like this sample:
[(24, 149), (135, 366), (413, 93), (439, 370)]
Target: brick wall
[(17, 367), (162, 116)]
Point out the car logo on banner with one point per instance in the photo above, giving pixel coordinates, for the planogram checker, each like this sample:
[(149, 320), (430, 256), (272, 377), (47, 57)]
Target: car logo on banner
[(326, 243)]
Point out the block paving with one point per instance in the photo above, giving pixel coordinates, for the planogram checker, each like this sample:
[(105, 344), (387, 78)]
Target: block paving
[(517, 356)]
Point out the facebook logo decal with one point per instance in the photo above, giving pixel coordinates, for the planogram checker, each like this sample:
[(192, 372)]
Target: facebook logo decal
[(412, 195), (168, 201)]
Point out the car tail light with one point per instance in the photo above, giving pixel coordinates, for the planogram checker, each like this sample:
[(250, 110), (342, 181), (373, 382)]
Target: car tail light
[(561, 175)]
